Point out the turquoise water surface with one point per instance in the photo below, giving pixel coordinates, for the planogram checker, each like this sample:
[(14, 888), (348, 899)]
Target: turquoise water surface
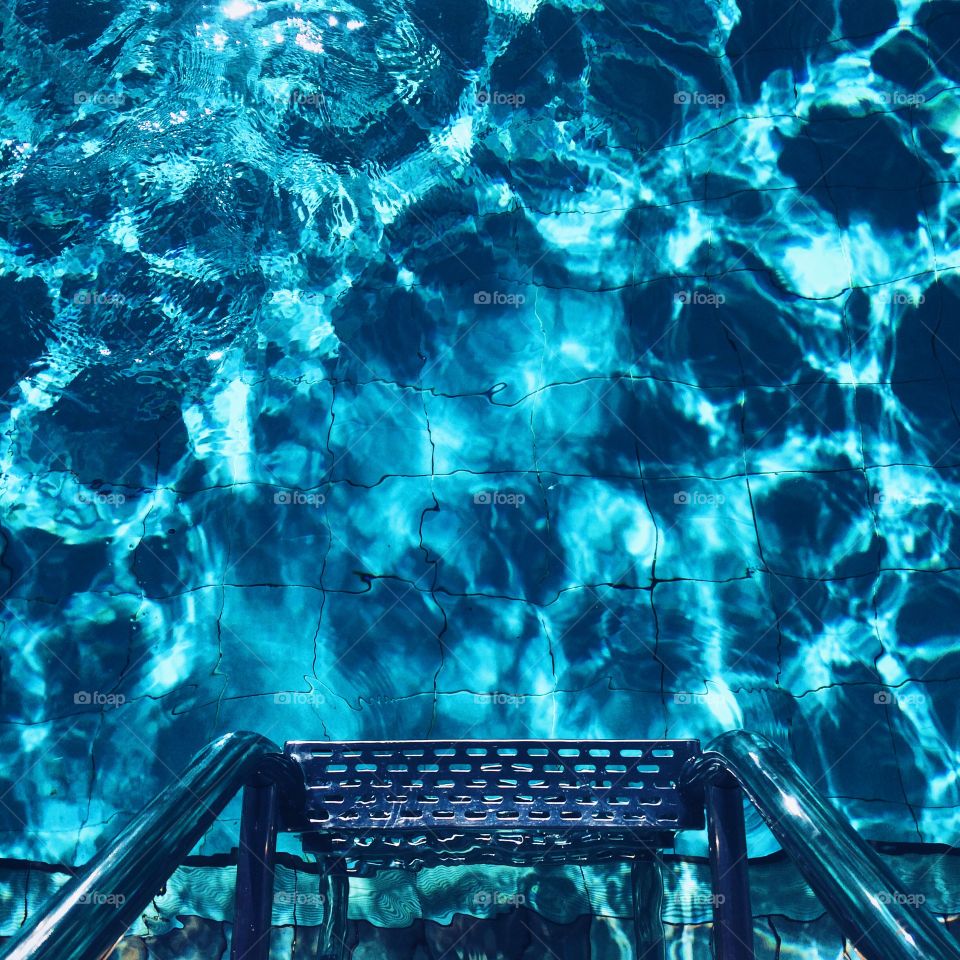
[(487, 368)]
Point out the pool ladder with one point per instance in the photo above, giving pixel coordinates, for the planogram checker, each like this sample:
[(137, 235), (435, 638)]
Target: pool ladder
[(371, 804)]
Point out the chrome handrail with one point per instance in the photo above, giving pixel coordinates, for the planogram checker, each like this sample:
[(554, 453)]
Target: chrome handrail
[(88, 915), (854, 885)]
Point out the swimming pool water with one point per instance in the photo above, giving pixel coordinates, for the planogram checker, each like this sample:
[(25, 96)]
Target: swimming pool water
[(509, 368)]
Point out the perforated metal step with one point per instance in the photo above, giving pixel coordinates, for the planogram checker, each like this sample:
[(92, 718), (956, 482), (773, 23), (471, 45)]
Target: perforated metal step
[(589, 792)]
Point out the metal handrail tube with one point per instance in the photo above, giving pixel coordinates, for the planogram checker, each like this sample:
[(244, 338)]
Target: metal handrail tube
[(89, 914), (868, 903)]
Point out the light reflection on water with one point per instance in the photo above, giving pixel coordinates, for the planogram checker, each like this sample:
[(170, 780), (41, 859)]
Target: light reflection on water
[(414, 369)]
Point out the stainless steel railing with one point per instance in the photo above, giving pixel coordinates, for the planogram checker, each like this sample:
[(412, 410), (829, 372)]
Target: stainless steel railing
[(868, 903), (89, 914)]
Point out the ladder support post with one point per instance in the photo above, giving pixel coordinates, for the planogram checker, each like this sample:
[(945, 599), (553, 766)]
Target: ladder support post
[(253, 910), (335, 890), (729, 872), (646, 882)]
